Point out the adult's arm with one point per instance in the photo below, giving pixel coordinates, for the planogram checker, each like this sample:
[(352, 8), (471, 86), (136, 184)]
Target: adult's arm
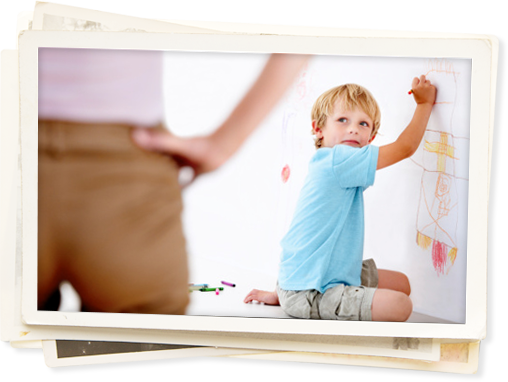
[(207, 153)]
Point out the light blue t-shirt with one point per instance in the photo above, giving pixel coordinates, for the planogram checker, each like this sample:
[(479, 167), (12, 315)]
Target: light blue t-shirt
[(324, 244)]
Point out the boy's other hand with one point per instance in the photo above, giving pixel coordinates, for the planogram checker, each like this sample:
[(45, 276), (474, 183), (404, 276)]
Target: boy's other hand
[(269, 298), (423, 91)]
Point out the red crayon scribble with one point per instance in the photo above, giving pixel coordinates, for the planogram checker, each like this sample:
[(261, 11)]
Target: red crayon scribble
[(439, 256), (285, 174)]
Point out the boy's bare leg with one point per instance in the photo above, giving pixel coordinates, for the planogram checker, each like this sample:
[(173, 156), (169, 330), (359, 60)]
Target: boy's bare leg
[(391, 301), (269, 298), (391, 305), (393, 280)]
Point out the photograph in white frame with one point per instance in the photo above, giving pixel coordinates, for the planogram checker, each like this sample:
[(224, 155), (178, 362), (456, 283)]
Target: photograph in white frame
[(381, 50)]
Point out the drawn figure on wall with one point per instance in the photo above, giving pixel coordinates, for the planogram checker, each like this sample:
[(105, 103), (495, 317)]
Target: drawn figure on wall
[(297, 102), (437, 216), (297, 99)]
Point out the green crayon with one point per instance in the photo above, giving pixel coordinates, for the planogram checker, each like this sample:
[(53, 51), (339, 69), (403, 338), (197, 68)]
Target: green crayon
[(210, 289)]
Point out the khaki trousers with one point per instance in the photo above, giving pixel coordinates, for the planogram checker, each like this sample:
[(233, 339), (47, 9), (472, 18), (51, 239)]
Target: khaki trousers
[(109, 221)]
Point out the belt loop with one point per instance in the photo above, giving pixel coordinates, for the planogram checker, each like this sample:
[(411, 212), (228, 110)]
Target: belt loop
[(46, 138), (57, 139)]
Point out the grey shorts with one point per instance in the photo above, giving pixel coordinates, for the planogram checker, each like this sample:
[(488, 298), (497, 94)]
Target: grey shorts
[(341, 302)]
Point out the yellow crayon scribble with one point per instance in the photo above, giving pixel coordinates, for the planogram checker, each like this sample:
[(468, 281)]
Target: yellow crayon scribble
[(452, 255), (423, 241), (22, 334), (442, 149)]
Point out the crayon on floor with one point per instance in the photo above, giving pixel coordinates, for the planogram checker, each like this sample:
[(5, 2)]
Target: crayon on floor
[(210, 289)]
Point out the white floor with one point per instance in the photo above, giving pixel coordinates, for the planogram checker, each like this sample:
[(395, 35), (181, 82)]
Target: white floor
[(229, 302)]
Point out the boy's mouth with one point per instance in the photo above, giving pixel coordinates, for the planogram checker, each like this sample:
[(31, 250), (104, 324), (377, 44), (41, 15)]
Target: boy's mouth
[(351, 142)]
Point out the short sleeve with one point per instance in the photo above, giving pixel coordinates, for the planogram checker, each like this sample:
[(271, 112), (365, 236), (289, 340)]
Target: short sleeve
[(355, 167)]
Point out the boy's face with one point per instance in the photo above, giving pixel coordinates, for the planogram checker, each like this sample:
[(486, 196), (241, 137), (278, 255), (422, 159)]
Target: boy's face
[(352, 128)]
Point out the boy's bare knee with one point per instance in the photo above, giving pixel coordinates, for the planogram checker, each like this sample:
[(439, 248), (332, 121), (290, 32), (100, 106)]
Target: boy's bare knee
[(402, 307), (405, 307), (394, 280), (402, 283), (406, 286), (390, 305)]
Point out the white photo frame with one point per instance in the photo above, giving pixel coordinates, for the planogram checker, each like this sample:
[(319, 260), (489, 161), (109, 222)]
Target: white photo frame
[(477, 49)]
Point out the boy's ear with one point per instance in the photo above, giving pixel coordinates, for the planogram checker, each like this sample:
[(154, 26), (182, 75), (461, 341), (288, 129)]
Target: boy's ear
[(317, 130), (372, 138)]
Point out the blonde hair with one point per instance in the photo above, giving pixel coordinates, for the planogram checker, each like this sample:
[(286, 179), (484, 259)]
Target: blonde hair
[(350, 96)]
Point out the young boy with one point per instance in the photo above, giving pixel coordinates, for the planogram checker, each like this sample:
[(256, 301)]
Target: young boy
[(321, 274)]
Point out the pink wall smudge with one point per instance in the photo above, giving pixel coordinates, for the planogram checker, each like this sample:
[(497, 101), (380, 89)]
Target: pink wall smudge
[(285, 173)]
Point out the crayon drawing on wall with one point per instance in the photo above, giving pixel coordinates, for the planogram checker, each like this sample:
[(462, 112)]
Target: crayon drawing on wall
[(437, 216)]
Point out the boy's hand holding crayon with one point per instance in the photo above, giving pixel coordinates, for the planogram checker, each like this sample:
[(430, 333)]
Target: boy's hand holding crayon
[(423, 91)]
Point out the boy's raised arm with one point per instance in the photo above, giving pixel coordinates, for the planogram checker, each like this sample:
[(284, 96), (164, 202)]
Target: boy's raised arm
[(408, 141)]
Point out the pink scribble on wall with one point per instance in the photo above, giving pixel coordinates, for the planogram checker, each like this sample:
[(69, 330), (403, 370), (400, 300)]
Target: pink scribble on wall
[(285, 173), (301, 86), (439, 256)]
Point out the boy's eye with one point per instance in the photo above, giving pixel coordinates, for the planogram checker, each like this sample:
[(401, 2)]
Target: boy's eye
[(342, 120), (364, 124)]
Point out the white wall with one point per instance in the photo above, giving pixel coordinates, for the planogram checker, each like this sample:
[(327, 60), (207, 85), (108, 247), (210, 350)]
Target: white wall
[(239, 214)]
